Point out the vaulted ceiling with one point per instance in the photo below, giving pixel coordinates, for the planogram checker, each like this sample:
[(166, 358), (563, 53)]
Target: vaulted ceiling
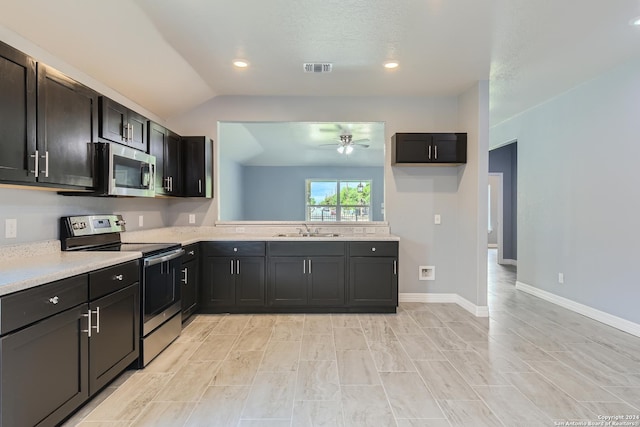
[(170, 56)]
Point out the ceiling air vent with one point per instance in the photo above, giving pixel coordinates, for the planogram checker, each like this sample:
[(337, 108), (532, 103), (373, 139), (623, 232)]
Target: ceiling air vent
[(318, 67)]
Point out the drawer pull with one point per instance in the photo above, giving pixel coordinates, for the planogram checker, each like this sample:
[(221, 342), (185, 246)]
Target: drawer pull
[(235, 249), (373, 249), (54, 300), (192, 253), (118, 277)]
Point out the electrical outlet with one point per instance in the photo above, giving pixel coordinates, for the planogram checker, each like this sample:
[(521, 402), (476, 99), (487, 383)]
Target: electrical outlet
[(192, 218), (560, 278), (140, 220), (11, 228), (436, 219)]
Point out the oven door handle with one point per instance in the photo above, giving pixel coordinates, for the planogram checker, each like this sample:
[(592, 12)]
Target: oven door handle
[(157, 259)]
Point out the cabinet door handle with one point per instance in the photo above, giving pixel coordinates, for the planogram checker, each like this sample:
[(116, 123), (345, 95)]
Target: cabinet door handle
[(184, 279), (118, 277), (231, 266), (199, 186), (435, 151), (304, 266), (238, 266), (54, 300), (309, 266), (429, 152), (88, 330), (171, 183), (97, 327), (395, 267), (36, 165), (46, 164)]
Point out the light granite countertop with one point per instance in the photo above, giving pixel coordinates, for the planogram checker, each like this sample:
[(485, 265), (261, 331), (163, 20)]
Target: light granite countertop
[(29, 265), (26, 266)]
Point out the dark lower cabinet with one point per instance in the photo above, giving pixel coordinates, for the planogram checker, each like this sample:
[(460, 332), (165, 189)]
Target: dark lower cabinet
[(190, 280), (233, 275), (373, 274), (17, 115), (44, 370), (306, 281), (114, 343)]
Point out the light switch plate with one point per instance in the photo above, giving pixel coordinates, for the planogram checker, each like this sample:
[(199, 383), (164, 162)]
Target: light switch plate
[(436, 219), (140, 220), (11, 228), (192, 218)]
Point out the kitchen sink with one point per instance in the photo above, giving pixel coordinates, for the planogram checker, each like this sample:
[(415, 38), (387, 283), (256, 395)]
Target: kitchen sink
[(307, 235)]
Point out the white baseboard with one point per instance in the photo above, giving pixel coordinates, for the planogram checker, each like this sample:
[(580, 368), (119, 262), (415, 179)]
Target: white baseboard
[(476, 310), (595, 314)]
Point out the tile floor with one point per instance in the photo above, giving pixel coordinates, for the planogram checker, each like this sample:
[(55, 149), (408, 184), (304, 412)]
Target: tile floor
[(530, 364)]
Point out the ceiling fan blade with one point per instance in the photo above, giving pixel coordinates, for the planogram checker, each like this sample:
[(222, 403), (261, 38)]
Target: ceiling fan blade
[(362, 145), (356, 141), (332, 144)]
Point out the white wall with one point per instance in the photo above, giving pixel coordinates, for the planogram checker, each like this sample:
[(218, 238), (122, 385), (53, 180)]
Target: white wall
[(579, 192), (412, 194)]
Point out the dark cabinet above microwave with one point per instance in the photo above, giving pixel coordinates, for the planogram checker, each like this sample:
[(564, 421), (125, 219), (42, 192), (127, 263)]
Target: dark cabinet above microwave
[(423, 149), (120, 124)]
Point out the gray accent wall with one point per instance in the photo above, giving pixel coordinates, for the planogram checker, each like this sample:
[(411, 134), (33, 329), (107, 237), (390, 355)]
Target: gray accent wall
[(505, 160), (278, 193), (579, 192)]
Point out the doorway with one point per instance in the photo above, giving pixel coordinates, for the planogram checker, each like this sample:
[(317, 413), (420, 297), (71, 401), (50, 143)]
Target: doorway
[(503, 190)]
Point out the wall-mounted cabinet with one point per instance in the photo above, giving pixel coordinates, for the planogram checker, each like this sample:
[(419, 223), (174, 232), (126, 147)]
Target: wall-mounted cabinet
[(197, 152), (120, 124), (18, 115), (167, 148), (424, 149)]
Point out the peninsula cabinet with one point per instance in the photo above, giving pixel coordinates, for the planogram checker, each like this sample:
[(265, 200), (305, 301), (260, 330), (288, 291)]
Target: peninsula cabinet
[(60, 343), (44, 353), (373, 274), (122, 125), (17, 115), (436, 149), (197, 152), (166, 147), (233, 275), (306, 274)]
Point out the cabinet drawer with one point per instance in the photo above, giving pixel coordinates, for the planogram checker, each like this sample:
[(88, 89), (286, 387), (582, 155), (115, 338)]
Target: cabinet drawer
[(111, 279), (305, 249), (28, 306), (386, 249), (235, 248), (191, 252)]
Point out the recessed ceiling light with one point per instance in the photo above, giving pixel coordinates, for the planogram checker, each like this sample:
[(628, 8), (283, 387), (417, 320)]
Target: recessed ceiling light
[(391, 64), (240, 63), (635, 21)]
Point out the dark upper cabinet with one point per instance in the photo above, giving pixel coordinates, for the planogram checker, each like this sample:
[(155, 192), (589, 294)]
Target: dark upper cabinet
[(66, 130), (166, 147), (17, 115), (197, 154), (120, 124), (429, 148)]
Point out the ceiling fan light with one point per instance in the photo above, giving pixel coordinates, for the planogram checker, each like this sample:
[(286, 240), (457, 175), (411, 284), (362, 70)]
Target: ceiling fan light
[(635, 21), (348, 149), (341, 149)]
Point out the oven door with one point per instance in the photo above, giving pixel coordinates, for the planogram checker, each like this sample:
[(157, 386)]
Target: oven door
[(130, 172), (160, 288)]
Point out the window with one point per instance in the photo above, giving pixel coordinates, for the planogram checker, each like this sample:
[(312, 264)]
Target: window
[(336, 200)]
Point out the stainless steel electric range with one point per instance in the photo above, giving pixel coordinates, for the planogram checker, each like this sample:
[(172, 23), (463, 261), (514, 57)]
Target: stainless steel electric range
[(159, 276)]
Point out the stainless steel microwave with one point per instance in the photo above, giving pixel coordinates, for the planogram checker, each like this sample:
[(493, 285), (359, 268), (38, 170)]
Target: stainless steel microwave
[(124, 171)]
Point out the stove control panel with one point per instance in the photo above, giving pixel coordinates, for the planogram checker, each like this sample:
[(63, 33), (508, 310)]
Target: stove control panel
[(91, 225)]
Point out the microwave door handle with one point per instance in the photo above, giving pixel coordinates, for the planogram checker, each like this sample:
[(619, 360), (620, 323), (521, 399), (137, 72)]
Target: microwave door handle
[(157, 259)]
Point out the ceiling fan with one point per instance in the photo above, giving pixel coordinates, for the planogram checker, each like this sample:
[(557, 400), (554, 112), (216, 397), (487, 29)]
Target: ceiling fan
[(346, 143)]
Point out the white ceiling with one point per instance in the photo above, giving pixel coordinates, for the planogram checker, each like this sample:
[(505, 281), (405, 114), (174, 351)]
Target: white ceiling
[(169, 55)]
